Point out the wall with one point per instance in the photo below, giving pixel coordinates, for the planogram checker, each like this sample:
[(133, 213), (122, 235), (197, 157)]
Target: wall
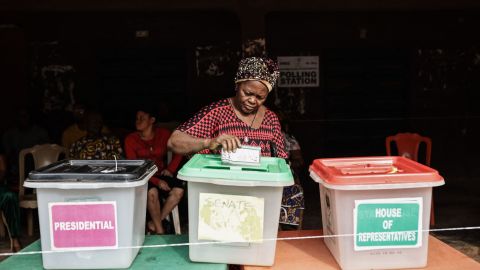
[(13, 73), (412, 71), (348, 114)]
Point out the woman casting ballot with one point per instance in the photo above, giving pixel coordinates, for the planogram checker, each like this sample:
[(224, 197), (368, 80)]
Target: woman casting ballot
[(239, 120)]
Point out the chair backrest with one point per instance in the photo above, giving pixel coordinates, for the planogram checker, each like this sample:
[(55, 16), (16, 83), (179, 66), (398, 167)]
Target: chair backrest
[(43, 155), (408, 145)]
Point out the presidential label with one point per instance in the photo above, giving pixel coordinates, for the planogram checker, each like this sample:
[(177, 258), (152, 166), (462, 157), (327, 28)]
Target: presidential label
[(83, 225)]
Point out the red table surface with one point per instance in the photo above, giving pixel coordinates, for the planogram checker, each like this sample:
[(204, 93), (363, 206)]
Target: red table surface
[(308, 254)]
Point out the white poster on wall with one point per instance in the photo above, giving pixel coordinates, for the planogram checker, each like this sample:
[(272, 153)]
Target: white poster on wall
[(298, 71)]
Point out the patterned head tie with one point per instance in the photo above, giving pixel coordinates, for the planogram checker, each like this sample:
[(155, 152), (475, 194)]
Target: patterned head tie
[(259, 69)]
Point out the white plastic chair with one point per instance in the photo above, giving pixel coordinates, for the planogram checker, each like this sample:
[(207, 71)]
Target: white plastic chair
[(43, 155)]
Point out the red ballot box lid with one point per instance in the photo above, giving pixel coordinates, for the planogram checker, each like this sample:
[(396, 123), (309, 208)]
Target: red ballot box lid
[(373, 170)]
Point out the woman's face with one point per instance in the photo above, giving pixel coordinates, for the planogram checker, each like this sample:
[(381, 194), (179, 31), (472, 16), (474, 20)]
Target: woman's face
[(143, 121), (250, 96)]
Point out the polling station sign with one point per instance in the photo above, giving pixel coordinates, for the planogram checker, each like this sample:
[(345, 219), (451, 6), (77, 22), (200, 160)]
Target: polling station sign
[(298, 71), (388, 223)]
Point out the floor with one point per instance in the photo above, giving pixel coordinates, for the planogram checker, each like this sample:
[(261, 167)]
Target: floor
[(456, 207)]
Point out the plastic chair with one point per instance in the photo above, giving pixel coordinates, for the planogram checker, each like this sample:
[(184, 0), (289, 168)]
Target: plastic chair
[(43, 155), (408, 145), (176, 219)]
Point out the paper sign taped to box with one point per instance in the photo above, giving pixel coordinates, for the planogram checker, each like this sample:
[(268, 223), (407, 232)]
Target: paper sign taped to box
[(245, 155), (234, 218)]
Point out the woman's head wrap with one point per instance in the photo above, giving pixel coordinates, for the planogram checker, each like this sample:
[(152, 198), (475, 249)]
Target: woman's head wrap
[(259, 69)]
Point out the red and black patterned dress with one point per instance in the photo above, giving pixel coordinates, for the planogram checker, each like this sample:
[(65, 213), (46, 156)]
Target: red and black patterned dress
[(220, 118)]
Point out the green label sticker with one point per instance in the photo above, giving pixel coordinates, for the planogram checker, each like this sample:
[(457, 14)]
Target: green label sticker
[(388, 223)]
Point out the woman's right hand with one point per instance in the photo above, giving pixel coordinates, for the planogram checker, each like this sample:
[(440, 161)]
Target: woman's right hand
[(225, 141)]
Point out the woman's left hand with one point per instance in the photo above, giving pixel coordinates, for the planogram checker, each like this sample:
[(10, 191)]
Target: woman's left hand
[(166, 172), (163, 185)]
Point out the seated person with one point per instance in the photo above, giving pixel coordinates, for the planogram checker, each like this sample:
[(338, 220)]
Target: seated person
[(150, 142), (10, 208), (77, 130), (95, 145)]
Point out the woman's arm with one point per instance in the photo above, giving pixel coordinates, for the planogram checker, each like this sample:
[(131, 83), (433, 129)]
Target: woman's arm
[(183, 143), (172, 167)]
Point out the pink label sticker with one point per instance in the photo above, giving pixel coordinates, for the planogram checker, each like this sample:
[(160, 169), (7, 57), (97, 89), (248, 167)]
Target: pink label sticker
[(80, 225)]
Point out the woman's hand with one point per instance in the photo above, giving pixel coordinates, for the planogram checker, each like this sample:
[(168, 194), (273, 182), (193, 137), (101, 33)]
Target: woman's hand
[(225, 141), (163, 185), (166, 172)]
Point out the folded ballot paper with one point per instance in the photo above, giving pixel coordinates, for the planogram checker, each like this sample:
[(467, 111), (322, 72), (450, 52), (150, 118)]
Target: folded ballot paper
[(245, 155)]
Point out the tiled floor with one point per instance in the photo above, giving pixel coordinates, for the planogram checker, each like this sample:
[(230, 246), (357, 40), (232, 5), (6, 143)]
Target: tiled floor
[(455, 207)]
